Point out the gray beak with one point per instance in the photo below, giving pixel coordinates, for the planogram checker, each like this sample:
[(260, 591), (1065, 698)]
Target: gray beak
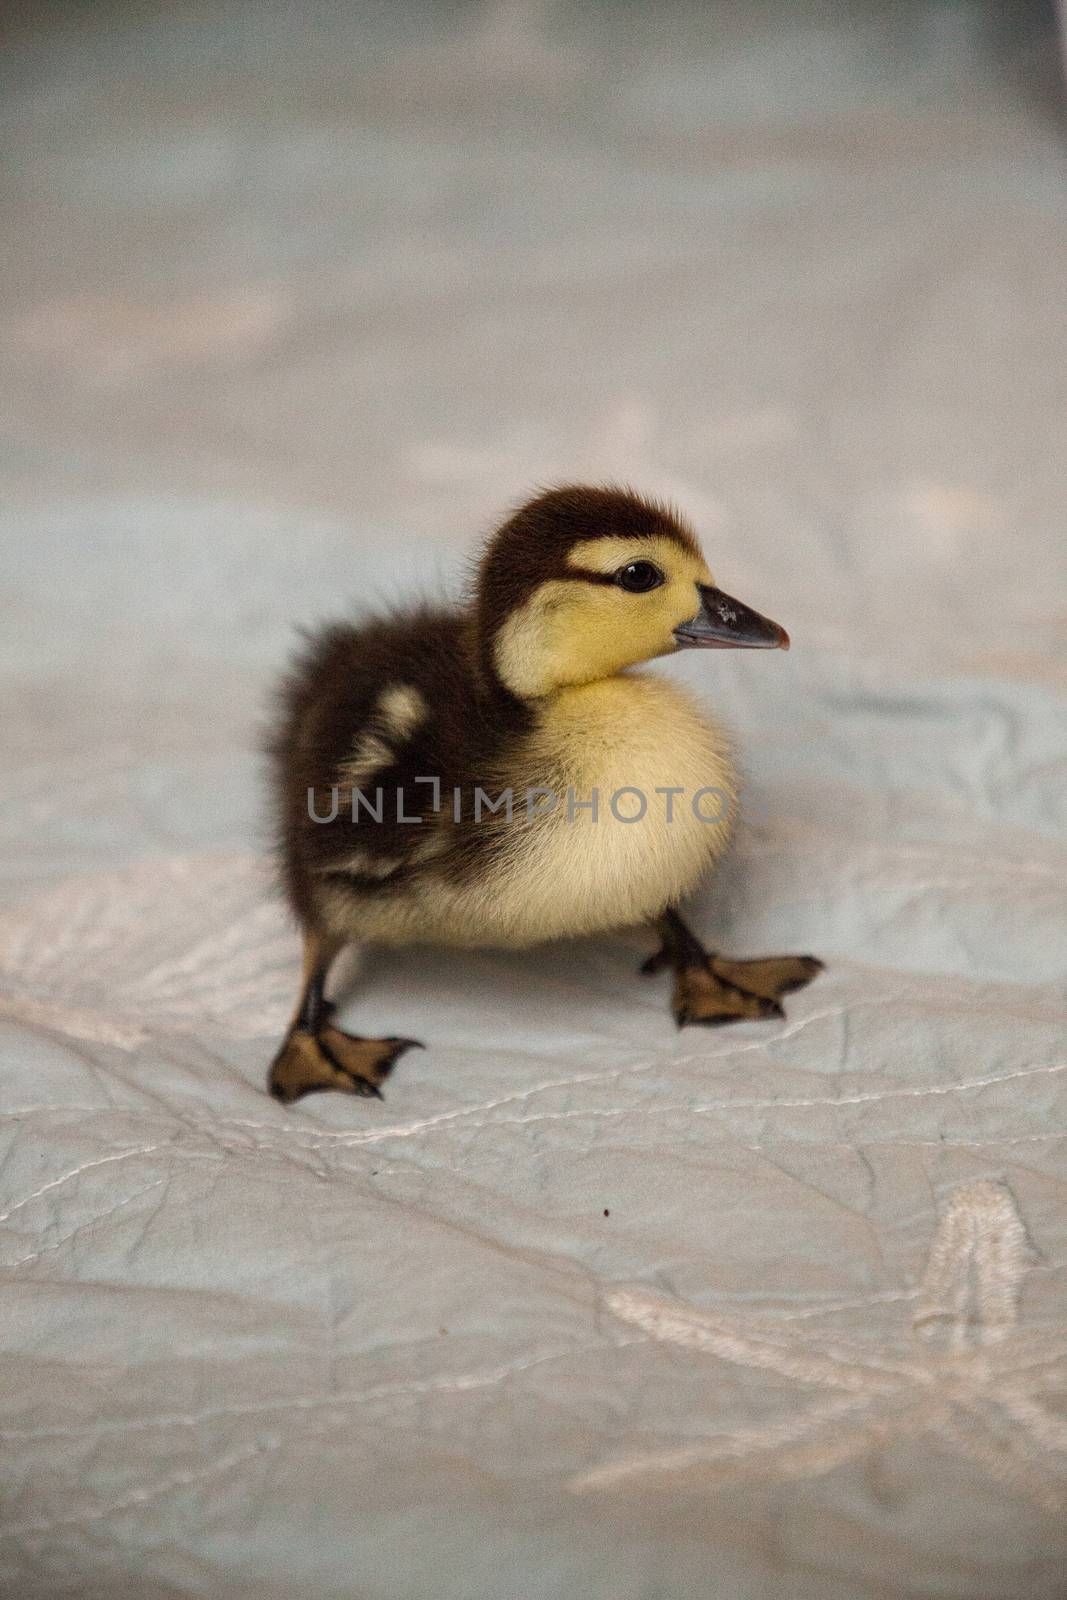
[(723, 623)]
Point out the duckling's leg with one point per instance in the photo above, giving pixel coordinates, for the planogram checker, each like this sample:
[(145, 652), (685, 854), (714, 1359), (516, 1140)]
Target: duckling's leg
[(315, 1055), (712, 990)]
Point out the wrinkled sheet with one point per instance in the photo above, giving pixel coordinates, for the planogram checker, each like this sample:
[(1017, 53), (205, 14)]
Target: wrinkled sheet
[(295, 302)]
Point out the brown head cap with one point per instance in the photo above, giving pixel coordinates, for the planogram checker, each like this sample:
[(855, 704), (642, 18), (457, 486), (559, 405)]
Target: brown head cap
[(532, 546)]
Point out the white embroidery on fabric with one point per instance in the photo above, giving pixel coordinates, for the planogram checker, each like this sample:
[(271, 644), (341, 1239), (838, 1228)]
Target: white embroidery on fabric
[(178, 943), (968, 1377)]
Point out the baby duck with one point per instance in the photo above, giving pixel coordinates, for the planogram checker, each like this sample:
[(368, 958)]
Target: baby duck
[(499, 776)]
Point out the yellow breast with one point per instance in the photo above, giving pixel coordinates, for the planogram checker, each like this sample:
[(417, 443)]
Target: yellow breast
[(658, 773), (623, 797)]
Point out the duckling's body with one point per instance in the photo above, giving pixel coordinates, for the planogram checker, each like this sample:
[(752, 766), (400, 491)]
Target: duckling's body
[(400, 743)]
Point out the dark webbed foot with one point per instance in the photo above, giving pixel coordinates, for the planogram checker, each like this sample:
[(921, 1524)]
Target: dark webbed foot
[(713, 990), (315, 1055), (309, 1063)]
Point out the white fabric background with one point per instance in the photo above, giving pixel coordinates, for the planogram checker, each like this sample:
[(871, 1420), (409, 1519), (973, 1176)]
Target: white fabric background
[(296, 301)]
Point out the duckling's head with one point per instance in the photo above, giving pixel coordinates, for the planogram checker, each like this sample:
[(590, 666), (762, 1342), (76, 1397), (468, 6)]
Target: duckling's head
[(581, 583)]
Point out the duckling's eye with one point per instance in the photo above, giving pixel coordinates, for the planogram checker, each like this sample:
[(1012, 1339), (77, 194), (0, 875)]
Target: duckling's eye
[(639, 576)]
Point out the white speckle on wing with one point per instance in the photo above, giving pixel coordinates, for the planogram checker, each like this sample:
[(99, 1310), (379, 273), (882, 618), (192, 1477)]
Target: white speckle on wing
[(401, 708)]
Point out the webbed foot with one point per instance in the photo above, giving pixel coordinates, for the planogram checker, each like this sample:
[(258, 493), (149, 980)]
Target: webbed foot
[(309, 1063), (713, 990)]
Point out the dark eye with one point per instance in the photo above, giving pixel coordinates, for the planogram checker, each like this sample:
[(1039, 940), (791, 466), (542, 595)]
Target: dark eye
[(639, 576)]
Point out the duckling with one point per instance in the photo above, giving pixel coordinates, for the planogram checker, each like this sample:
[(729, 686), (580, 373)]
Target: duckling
[(499, 775)]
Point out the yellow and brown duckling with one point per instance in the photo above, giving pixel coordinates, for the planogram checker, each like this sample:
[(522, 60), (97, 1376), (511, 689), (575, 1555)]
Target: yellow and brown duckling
[(499, 775)]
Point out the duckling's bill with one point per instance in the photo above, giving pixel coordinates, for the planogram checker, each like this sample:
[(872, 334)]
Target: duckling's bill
[(723, 623)]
